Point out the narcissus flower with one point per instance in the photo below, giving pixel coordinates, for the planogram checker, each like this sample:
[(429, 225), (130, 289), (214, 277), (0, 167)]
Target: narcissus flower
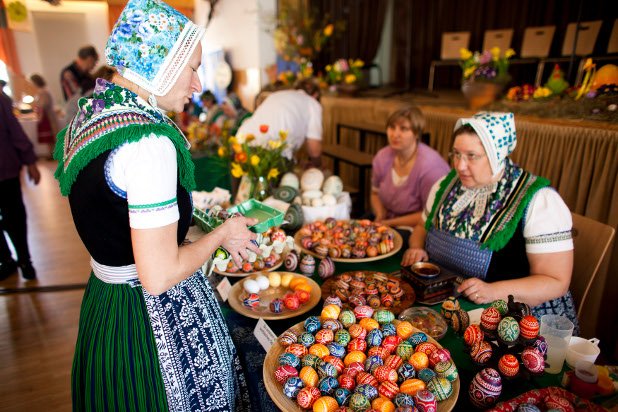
[(237, 170), (255, 160), (273, 173)]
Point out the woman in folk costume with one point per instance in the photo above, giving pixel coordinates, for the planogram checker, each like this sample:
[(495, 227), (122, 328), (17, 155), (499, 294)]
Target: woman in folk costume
[(151, 334), (499, 225)]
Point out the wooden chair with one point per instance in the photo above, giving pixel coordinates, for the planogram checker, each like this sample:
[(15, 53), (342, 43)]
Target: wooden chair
[(592, 241), (449, 52), (497, 38)]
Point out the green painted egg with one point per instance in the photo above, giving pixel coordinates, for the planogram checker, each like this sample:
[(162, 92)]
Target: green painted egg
[(405, 350), (500, 304), (294, 217), (447, 370), (342, 337), (441, 388), (383, 316), (359, 402), (508, 329), (347, 318)]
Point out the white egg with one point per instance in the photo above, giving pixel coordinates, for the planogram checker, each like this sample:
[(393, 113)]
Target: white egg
[(333, 185), (317, 202), (312, 179), (297, 201), (312, 194), (290, 179), (262, 282), (251, 286), (329, 200)]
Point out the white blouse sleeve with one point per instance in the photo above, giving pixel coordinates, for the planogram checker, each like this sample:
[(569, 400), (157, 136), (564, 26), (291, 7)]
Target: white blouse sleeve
[(548, 223), (147, 172), (431, 197)]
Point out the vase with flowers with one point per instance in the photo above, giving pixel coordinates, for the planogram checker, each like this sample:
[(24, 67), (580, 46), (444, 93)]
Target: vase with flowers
[(345, 75), (257, 165), (484, 75)]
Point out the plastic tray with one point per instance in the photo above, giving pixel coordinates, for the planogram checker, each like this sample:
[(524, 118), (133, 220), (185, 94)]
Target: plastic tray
[(267, 216)]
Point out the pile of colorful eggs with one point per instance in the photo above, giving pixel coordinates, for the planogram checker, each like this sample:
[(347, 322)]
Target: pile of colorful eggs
[(274, 240), (347, 239), (307, 264), (299, 291), (373, 289), (360, 360)]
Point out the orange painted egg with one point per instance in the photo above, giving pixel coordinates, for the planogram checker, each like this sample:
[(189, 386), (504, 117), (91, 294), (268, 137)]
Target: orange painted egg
[(405, 329), (297, 349), (325, 404), (411, 386), (297, 280), (357, 331), (393, 361), (378, 351), (426, 347), (490, 318), (529, 327), (309, 376), (364, 378), (324, 336), (304, 287), (369, 324), (419, 360), (291, 301), (473, 334), (303, 295), (388, 389), (331, 312), (508, 365), (355, 356), (320, 350), (382, 404), (307, 396)]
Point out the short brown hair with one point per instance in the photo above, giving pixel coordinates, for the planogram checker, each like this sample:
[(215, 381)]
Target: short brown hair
[(411, 114), (309, 86), (38, 80), (88, 51)]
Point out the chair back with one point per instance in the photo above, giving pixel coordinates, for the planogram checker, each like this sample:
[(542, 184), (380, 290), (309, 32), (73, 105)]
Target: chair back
[(497, 38), (588, 31), (451, 44), (537, 41), (592, 242), (612, 45)]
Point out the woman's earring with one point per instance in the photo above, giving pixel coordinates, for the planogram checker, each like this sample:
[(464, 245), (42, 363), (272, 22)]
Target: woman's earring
[(152, 100)]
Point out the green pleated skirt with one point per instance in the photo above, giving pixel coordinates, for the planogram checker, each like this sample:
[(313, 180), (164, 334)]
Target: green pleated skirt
[(116, 367)]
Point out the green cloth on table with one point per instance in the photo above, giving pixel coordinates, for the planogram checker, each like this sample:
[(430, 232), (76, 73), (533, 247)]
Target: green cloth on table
[(211, 172)]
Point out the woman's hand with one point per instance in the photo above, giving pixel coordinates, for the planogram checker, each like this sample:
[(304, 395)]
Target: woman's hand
[(238, 238), (414, 255), (477, 291)]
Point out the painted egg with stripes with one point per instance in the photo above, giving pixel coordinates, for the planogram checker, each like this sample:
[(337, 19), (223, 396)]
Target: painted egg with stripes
[(388, 389), (426, 347), (508, 365), (327, 385), (332, 300), (447, 370), (297, 349), (370, 392), (378, 351), (481, 353), (426, 401), (405, 371), (347, 318), (292, 386), (336, 349), (384, 373), (393, 361), (460, 320), (332, 324), (287, 338), (306, 339), (439, 355), (390, 343), (533, 360), (501, 305), (363, 311), (310, 360), (366, 378), (490, 318), (291, 260), (346, 381), (441, 388), (287, 358), (529, 327), (485, 388), (357, 331), (327, 369), (284, 372), (473, 334), (324, 336), (383, 316), (336, 362), (354, 368)]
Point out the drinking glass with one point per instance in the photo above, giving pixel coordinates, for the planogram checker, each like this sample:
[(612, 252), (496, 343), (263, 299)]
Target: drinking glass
[(557, 331)]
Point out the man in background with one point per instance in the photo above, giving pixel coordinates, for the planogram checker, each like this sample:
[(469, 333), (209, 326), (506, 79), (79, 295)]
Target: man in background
[(76, 76)]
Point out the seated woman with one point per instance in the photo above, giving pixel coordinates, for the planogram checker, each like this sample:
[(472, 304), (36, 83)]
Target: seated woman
[(503, 228), (234, 112), (404, 171)]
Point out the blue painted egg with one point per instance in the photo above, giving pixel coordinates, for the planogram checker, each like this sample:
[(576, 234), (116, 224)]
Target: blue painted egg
[(288, 358), (417, 338), (370, 392), (327, 369), (312, 324), (374, 337), (342, 337), (372, 362), (389, 330), (306, 339), (292, 386), (426, 374), (342, 396), (403, 399), (252, 300), (310, 360), (332, 324), (327, 385), (405, 371), (336, 349)]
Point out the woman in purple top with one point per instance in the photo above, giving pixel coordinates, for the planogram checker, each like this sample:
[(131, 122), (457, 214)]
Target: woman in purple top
[(404, 171)]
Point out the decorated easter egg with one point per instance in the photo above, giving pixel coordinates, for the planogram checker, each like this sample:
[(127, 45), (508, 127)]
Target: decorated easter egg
[(528, 407), (310, 360), (312, 324), (439, 355), (328, 384), (363, 311), (287, 338), (405, 371), (404, 350), (374, 337), (403, 399), (366, 378), (508, 329), (276, 305), (359, 402), (307, 396), (372, 363), (286, 278), (383, 403), (332, 324), (387, 300), (252, 300), (485, 388), (287, 358), (383, 316), (532, 360), (481, 352), (251, 286), (374, 301), (337, 362), (412, 386), (355, 356), (508, 365), (357, 300), (419, 360), (262, 282), (357, 344), (342, 396), (390, 343), (558, 403), (385, 373), (311, 179), (342, 337), (389, 329), (357, 331), (501, 305), (347, 381), (388, 389), (490, 318), (303, 295), (325, 404), (449, 306), (347, 318), (291, 261), (337, 350), (378, 351), (441, 388), (371, 392), (529, 327), (425, 401), (283, 372), (393, 361), (447, 370), (306, 338), (292, 386), (426, 374), (324, 336), (473, 334), (369, 324), (540, 344), (291, 302), (331, 312), (309, 376), (404, 329), (297, 349), (333, 300), (426, 347), (460, 320), (318, 349), (417, 338), (326, 268), (307, 265)]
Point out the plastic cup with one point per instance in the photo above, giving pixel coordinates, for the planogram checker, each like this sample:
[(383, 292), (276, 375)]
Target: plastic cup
[(581, 349), (557, 331)]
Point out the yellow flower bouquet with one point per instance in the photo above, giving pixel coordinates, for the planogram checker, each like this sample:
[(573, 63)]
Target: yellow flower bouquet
[(489, 66), (344, 71)]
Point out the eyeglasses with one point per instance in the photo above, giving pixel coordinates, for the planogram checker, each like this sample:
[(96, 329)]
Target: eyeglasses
[(470, 157)]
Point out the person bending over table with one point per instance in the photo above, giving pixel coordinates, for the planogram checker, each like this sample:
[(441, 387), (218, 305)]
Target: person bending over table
[(235, 113), (404, 171), (502, 227), (151, 333)]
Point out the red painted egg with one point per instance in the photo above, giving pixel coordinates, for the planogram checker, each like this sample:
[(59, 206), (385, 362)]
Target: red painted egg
[(307, 396), (388, 389), (508, 365), (291, 301), (347, 382), (357, 331), (473, 334), (357, 344), (481, 352), (529, 327), (336, 362), (490, 318), (297, 349), (324, 336), (439, 355), (558, 403), (426, 347), (393, 361), (533, 360), (284, 372), (390, 343), (364, 378), (353, 369), (378, 351)]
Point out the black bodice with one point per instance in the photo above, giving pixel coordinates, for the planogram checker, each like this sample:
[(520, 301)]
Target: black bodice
[(510, 262), (102, 217)]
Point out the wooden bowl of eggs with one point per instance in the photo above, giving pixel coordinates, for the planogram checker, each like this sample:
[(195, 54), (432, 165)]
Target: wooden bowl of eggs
[(274, 295)]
